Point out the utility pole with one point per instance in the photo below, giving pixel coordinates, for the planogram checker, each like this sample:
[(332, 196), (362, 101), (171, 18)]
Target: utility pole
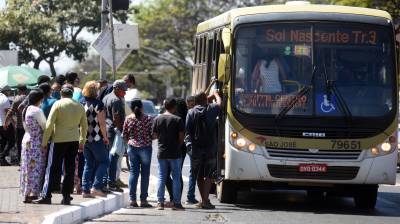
[(104, 14), (112, 38)]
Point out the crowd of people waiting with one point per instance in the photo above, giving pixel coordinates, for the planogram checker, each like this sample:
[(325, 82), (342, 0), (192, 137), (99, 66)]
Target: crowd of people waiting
[(65, 138)]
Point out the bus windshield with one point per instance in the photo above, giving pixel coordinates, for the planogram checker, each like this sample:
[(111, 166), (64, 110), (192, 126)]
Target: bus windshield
[(347, 68)]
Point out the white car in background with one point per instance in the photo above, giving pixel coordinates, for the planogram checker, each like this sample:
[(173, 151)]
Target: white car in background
[(149, 108)]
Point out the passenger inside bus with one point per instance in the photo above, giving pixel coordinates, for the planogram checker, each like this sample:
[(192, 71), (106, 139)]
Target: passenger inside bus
[(268, 74)]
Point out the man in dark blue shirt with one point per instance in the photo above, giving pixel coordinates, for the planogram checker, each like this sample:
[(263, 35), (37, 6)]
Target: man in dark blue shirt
[(204, 151)]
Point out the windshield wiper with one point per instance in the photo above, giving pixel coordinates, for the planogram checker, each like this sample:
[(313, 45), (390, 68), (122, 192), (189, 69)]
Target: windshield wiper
[(303, 91), (331, 88)]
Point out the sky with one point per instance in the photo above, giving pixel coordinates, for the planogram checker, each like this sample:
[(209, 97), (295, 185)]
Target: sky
[(65, 63)]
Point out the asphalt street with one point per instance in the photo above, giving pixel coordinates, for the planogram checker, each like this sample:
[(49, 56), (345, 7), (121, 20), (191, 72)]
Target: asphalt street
[(265, 207)]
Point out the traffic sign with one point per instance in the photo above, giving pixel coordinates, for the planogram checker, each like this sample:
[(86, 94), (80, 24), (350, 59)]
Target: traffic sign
[(103, 45), (126, 36)]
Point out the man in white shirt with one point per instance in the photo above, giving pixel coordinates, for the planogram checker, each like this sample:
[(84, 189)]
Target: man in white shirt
[(6, 130)]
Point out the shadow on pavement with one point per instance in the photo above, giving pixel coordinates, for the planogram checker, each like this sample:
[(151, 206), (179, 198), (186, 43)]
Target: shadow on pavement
[(297, 201)]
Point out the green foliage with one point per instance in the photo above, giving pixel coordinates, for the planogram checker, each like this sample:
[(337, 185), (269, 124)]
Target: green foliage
[(43, 29), (391, 6)]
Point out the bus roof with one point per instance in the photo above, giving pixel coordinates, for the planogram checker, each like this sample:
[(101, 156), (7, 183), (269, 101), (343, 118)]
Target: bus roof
[(229, 16)]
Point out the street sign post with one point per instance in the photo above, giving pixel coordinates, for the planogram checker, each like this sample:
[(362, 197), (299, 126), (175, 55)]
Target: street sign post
[(115, 41)]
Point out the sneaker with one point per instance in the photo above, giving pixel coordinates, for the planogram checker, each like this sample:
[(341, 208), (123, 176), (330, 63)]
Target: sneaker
[(120, 184), (42, 201), (99, 193), (169, 204), (66, 200), (115, 188), (191, 201), (178, 207), (160, 206), (207, 205), (145, 204), (87, 195), (105, 190), (133, 204)]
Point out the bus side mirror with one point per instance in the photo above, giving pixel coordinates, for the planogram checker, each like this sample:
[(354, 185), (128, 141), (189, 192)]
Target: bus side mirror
[(226, 39), (224, 63)]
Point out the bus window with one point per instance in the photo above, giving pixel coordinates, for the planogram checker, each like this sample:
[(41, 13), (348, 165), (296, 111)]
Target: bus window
[(210, 53), (196, 49), (204, 49), (200, 50)]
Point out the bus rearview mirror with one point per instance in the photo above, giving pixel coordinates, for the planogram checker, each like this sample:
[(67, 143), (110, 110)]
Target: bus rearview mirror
[(223, 67), (226, 38)]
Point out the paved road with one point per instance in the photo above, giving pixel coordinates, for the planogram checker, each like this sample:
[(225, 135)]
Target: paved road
[(268, 207)]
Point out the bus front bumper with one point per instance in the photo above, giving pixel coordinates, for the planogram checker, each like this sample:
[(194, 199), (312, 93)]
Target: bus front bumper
[(242, 165)]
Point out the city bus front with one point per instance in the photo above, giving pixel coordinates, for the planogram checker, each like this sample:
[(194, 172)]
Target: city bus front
[(313, 103)]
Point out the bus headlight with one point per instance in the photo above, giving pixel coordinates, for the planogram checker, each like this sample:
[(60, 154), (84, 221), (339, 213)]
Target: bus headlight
[(375, 151), (252, 147), (387, 147), (241, 143)]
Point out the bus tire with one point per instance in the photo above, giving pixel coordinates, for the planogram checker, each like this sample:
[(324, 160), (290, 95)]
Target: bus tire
[(365, 198), (226, 192)]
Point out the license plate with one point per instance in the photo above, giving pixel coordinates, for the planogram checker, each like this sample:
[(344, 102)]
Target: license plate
[(313, 168)]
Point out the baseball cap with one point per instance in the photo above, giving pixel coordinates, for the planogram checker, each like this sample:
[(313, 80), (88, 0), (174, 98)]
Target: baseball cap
[(120, 84), (5, 88), (67, 89)]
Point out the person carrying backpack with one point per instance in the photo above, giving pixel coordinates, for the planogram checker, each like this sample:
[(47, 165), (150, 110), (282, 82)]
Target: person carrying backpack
[(202, 142)]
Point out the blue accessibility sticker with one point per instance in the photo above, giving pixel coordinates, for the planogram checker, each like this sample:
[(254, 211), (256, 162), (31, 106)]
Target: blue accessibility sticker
[(326, 105)]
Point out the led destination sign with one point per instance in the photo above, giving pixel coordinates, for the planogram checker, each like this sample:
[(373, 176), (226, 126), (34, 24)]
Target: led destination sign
[(363, 37)]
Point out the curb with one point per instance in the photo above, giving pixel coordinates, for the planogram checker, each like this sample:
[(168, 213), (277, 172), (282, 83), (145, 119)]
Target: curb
[(89, 209)]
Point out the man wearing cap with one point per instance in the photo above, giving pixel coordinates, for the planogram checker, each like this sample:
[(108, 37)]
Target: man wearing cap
[(6, 131), (67, 125), (115, 116)]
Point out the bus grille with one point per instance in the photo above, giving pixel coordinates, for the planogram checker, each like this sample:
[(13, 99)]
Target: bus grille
[(320, 154), (330, 133), (332, 173)]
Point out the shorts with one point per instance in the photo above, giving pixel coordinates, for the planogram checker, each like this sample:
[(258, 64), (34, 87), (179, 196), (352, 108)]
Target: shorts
[(204, 167)]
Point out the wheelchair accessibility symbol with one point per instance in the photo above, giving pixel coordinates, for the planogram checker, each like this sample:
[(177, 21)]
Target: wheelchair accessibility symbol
[(327, 106)]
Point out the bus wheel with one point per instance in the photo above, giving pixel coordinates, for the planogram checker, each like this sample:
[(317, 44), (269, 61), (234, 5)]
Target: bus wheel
[(365, 197), (226, 192)]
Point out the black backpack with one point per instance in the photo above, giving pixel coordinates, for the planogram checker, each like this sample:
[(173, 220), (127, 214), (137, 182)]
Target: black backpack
[(202, 133)]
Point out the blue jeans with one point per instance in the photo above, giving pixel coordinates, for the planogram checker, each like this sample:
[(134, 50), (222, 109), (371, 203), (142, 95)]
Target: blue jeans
[(110, 177), (96, 163), (112, 172), (192, 183), (175, 166), (139, 160)]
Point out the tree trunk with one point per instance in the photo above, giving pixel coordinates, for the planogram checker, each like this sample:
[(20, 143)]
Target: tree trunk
[(52, 68), (36, 63)]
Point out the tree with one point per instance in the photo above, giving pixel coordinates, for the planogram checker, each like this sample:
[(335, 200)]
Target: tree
[(391, 6), (43, 29), (167, 29)]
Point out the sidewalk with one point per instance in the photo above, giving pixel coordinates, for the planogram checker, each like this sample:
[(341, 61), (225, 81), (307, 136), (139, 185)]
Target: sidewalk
[(12, 210)]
